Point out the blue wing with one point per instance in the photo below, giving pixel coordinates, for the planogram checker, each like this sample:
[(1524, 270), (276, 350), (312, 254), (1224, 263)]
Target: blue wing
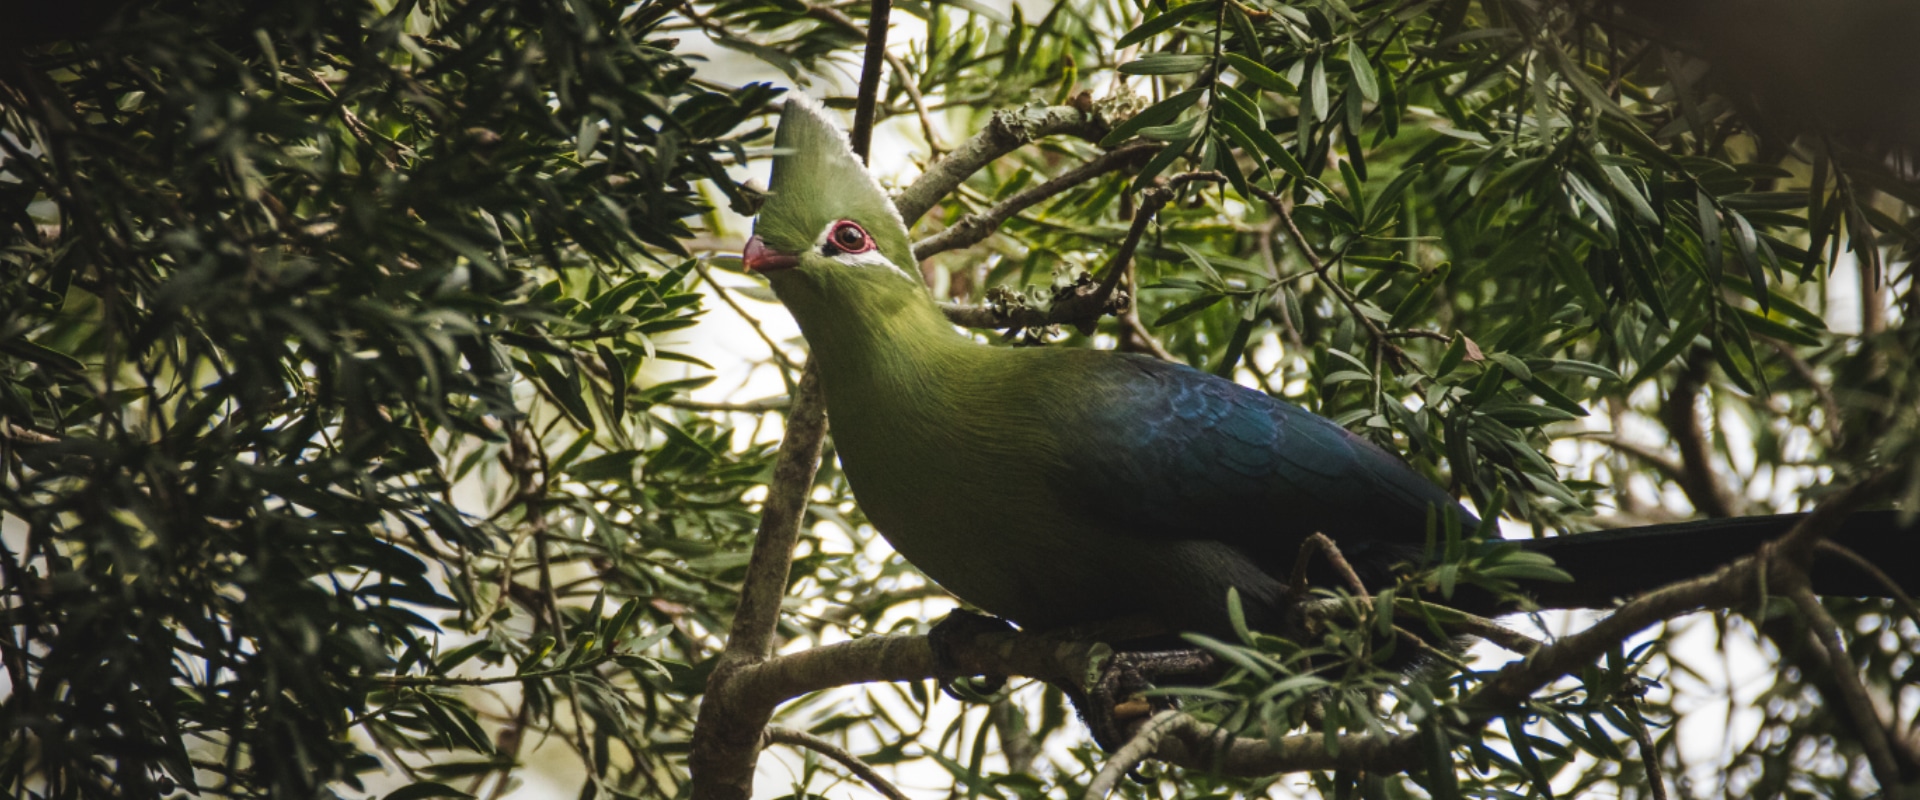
[(1175, 453)]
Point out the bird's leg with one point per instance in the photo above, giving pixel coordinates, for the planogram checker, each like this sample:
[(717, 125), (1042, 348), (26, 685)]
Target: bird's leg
[(1113, 704), (961, 625)]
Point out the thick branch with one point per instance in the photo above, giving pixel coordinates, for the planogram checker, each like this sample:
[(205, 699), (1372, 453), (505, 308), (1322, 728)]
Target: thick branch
[(905, 658), (1698, 480), (726, 736), (974, 228), (1076, 307), (1006, 132)]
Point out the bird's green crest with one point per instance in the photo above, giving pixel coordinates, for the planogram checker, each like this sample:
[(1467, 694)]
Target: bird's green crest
[(817, 180)]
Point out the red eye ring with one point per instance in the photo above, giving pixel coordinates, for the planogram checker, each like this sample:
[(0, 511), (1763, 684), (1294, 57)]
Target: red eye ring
[(848, 237)]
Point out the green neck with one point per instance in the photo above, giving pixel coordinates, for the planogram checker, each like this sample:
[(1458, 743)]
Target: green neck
[(869, 329)]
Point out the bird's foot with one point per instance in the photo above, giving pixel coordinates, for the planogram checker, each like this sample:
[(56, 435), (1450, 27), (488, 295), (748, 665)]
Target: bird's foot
[(1117, 704), (946, 635)]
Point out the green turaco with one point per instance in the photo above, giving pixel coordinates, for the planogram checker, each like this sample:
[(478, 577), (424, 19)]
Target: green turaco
[(1056, 486)]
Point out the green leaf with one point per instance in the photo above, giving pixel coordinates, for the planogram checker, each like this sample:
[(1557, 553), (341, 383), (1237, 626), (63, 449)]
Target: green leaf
[(1165, 64), (1764, 201), (565, 388), (1381, 263), (1156, 114), (1363, 76), (44, 356), (1681, 339), (1260, 76), (1416, 300), (1456, 352), (1523, 748), (1246, 131), (1743, 238), (1767, 326), (424, 790), (1159, 163), (1161, 24), (1709, 219), (1317, 89), (1188, 309)]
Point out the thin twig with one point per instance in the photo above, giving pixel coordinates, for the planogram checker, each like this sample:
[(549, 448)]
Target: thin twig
[(1665, 466), (726, 735), (1379, 338), (860, 769), (1141, 337), (899, 67), (1085, 302), (862, 134), (974, 228), (1698, 479), (1831, 418), (779, 403), (1005, 132), (1459, 622), (494, 680), (780, 356), (1853, 695), (1139, 749), (10, 431), (1319, 545), (1892, 586), (1418, 334), (1649, 755)]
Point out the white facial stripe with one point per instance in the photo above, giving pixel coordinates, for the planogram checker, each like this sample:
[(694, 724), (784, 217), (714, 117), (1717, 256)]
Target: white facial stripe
[(870, 258)]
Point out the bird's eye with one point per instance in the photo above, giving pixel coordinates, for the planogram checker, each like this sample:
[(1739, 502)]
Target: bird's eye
[(849, 237)]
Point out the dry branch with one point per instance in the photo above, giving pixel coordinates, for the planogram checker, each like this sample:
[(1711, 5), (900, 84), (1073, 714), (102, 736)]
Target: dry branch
[(1006, 132), (974, 228)]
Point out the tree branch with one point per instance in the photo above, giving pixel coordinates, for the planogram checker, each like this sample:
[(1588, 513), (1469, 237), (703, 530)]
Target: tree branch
[(974, 228), (860, 769), (751, 690), (1382, 343), (1006, 132), (900, 73), (862, 135), (1853, 698), (1141, 748), (777, 403), (1698, 480), (1084, 302), (726, 736)]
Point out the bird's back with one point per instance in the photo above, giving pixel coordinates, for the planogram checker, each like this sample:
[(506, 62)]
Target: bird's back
[(1059, 486)]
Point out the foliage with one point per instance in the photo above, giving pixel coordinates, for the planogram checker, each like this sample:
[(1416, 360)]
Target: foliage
[(278, 278), (338, 437)]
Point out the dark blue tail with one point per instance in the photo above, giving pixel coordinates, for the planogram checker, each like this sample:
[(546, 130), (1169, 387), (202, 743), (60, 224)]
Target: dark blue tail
[(1609, 565)]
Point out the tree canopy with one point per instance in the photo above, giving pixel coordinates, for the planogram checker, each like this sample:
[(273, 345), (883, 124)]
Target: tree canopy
[(350, 449)]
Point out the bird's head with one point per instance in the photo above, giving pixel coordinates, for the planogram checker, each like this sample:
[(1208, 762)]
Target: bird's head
[(827, 233)]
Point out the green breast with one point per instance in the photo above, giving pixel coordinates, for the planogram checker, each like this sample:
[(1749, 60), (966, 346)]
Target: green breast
[(953, 459)]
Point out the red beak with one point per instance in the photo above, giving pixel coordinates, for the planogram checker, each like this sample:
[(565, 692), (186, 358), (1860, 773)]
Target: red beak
[(758, 258)]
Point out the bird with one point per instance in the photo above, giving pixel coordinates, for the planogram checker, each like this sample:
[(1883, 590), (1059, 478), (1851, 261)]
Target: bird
[(1057, 487)]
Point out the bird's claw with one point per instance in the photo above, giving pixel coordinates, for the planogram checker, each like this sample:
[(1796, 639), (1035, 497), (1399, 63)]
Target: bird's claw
[(1116, 704), (946, 635)]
